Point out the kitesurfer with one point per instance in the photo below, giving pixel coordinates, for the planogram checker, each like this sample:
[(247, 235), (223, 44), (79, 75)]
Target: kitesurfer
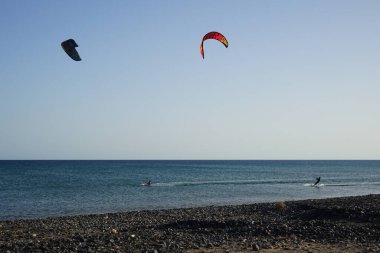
[(318, 180)]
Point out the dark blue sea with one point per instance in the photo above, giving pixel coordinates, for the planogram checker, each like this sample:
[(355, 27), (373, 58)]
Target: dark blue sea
[(34, 189)]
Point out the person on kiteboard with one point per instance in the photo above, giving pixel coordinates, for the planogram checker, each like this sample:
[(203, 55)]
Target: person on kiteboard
[(318, 180)]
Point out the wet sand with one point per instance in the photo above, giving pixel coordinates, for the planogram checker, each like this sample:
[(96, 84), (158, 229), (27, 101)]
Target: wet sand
[(350, 224)]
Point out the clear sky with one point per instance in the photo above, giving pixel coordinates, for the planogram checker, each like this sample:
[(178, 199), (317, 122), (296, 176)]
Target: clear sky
[(300, 80)]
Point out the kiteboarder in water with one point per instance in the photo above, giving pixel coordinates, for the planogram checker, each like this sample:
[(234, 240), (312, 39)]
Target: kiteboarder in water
[(318, 180), (149, 183)]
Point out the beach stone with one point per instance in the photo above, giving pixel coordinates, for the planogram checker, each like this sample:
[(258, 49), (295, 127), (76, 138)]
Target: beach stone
[(255, 247), (209, 245)]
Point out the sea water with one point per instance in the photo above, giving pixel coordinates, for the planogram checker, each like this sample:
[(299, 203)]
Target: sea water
[(34, 189)]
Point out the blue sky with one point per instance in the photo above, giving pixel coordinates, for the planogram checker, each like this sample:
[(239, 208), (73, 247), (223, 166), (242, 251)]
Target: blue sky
[(300, 80)]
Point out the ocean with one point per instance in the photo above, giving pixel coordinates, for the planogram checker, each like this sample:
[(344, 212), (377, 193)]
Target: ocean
[(38, 189)]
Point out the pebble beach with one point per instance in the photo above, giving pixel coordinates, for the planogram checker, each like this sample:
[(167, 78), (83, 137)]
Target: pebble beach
[(350, 224)]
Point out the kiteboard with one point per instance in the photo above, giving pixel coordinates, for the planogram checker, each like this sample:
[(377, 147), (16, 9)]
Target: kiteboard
[(313, 185)]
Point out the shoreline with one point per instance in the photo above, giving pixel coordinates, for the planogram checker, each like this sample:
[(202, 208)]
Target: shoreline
[(234, 204), (348, 224)]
